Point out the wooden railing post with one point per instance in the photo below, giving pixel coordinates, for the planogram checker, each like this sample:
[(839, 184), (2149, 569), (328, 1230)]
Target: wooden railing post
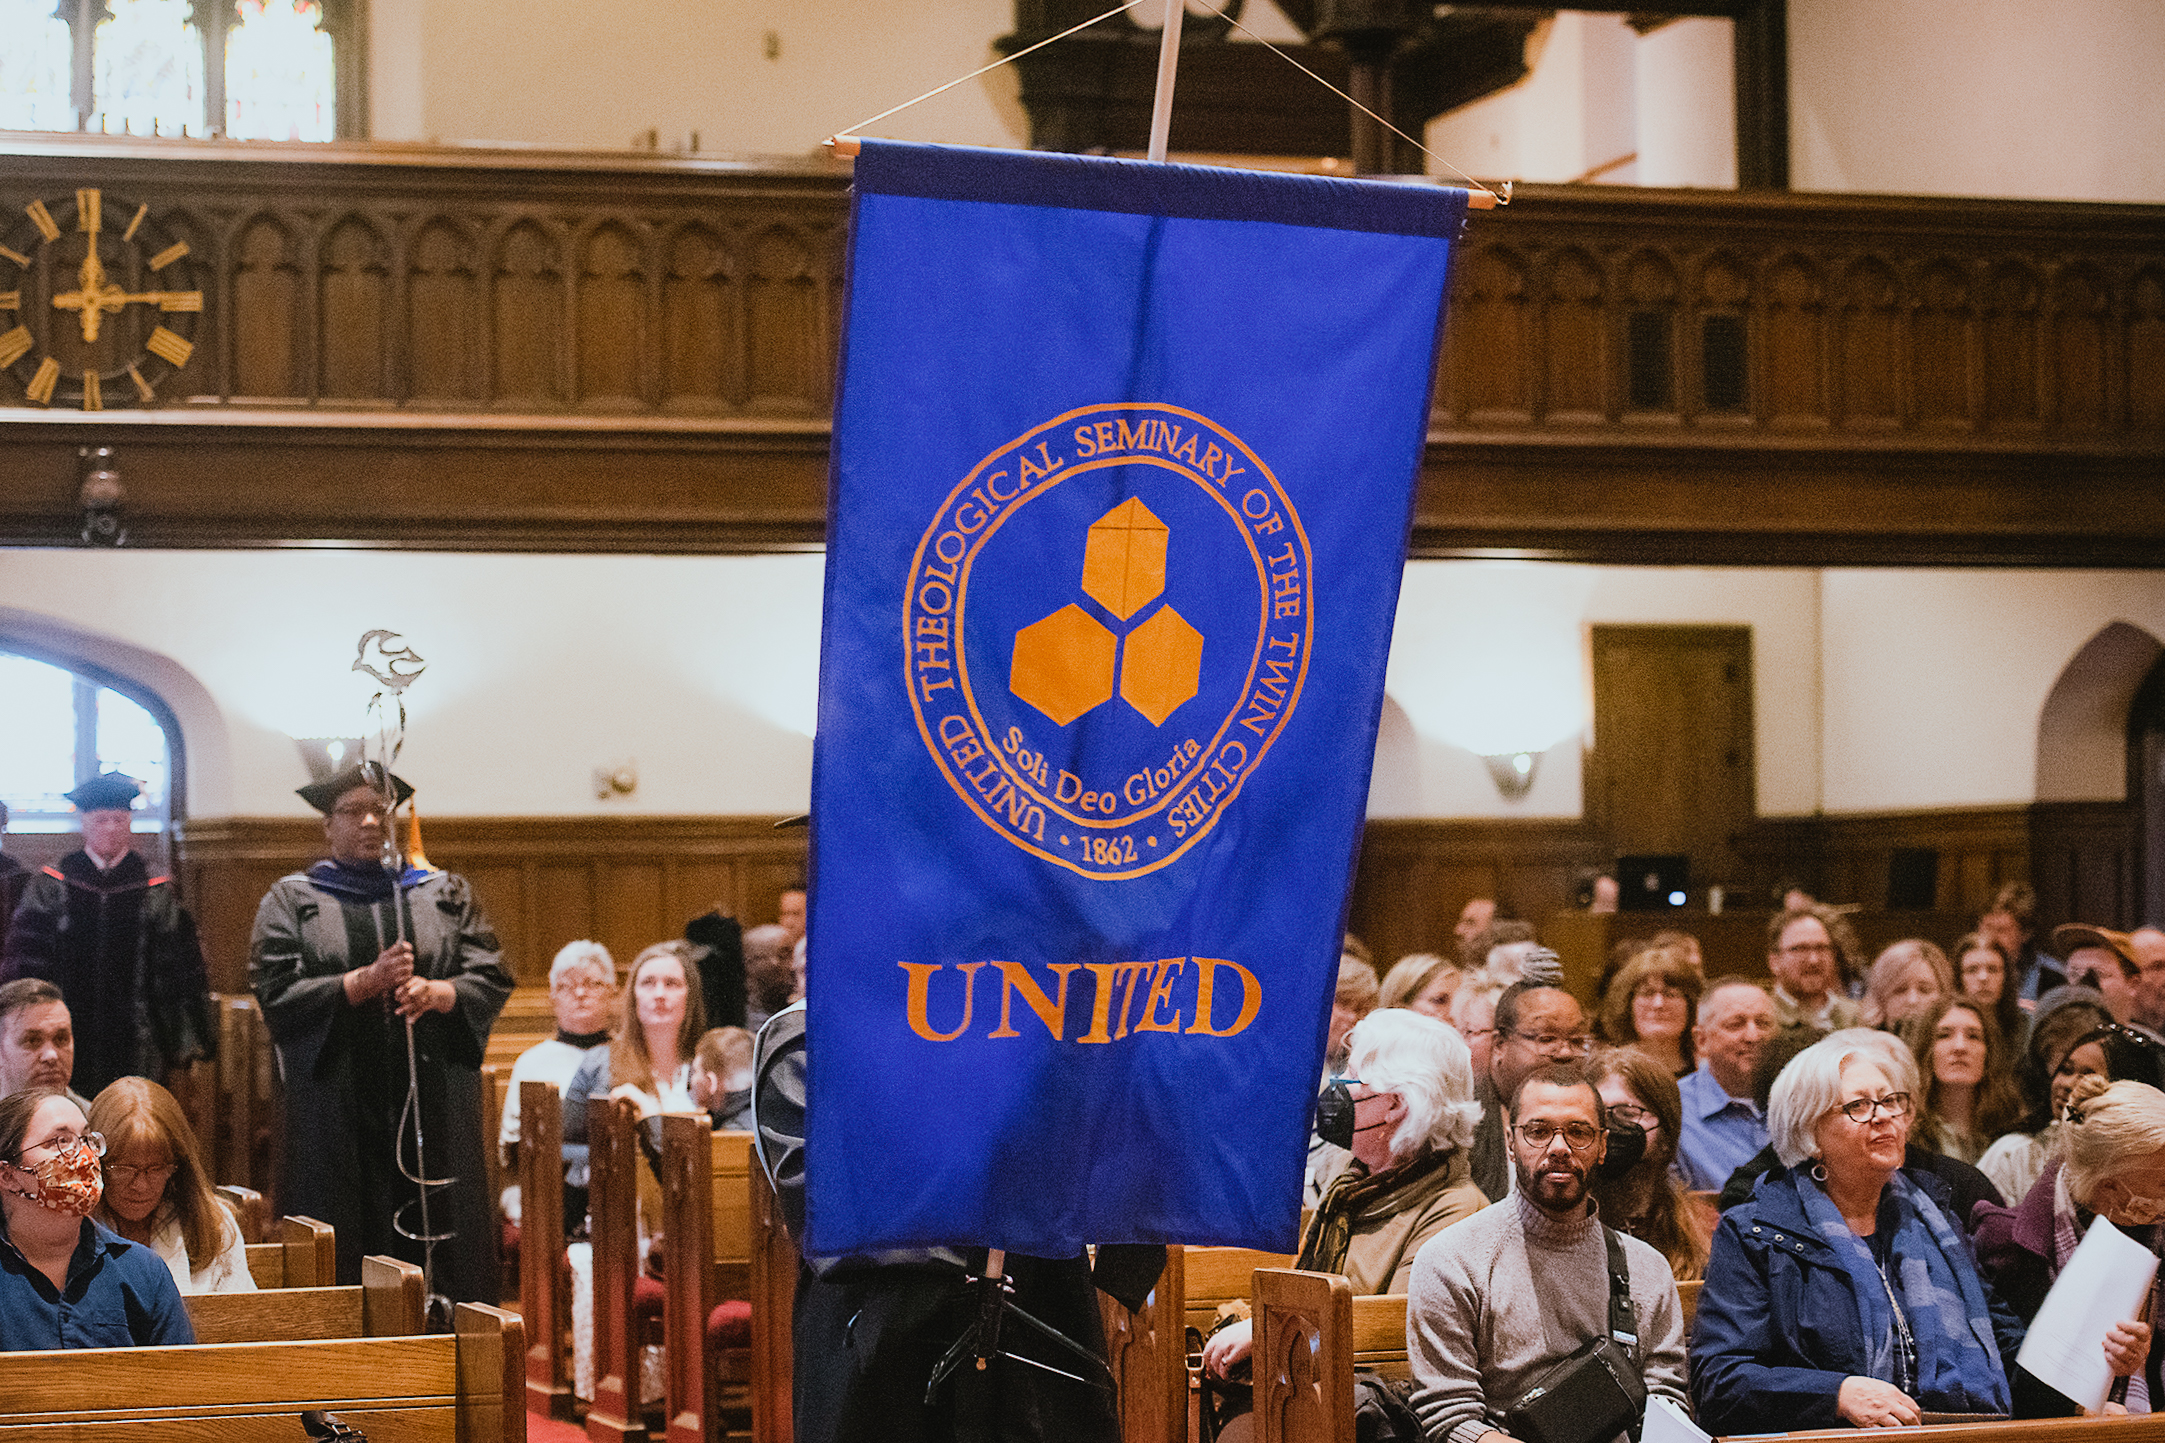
[(612, 1203), (544, 1276)]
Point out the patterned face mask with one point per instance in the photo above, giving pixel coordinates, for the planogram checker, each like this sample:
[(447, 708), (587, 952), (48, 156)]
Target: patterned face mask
[(69, 1181)]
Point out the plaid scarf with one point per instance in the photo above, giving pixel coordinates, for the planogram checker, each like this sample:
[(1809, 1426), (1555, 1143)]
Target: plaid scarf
[(1958, 1357), (1349, 1200)]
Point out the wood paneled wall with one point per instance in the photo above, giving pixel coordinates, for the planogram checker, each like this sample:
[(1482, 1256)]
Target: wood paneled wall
[(625, 882), (536, 351)]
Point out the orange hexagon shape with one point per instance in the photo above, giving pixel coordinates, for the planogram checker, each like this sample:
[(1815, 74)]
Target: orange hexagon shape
[(1163, 665), (1124, 560), (1063, 665)]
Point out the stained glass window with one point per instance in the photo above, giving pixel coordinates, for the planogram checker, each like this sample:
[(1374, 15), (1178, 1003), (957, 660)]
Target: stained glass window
[(279, 80), (251, 69), (147, 70)]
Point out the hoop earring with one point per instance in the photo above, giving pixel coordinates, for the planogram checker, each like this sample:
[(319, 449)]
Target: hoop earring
[(1819, 1172)]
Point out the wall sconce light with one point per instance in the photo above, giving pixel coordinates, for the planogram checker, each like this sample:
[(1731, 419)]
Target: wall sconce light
[(101, 497), (326, 756), (620, 780), (1512, 772)]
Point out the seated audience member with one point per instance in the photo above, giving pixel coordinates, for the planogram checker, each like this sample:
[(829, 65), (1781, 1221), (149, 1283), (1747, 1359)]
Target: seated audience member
[(2148, 945), (789, 911), (1398, 1175), (37, 1038), (1647, 1201), (1473, 1016), (1805, 952), (1722, 1123), (1422, 981), (1352, 946), (1969, 1095), (722, 1077), (1653, 1005), (1906, 978), (1476, 951), (582, 992), (1687, 944), (1842, 1291), (1503, 1297), (647, 1062), (66, 1282), (770, 973), (1523, 961), (157, 1193), (1355, 998), (2113, 1166), (1476, 917), (1536, 1022), (2104, 959), (1965, 1184), (1983, 972), (2011, 921), (2059, 1053)]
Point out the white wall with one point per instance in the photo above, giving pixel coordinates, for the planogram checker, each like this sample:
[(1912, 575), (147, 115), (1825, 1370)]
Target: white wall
[(1873, 690), (2056, 101)]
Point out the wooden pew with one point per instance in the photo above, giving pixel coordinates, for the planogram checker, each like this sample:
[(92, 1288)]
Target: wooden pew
[(775, 1268), (612, 1201), (251, 1211), (707, 1248), (387, 1304), (305, 1256), (1147, 1350), (456, 1388), (544, 1275)]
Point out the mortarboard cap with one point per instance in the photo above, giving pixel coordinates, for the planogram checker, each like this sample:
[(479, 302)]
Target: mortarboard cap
[(110, 792), (324, 795)]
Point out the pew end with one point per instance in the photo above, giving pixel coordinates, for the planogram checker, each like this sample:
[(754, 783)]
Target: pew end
[(1303, 1359), (304, 1256), (251, 1213), (544, 1274)]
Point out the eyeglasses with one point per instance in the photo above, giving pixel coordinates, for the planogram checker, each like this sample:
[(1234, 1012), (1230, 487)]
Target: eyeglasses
[(1578, 1043), (1578, 1136), (580, 989), (61, 1142), (355, 814), (1634, 1114), (1808, 949), (1869, 1109), (122, 1174)]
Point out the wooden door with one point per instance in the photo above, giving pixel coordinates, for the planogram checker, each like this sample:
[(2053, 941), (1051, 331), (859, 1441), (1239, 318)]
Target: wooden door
[(1671, 766)]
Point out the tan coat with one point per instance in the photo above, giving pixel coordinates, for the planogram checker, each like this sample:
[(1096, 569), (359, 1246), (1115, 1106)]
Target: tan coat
[(1391, 1229)]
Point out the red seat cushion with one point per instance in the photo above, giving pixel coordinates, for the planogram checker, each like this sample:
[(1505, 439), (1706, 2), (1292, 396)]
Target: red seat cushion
[(647, 1297), (730, 1325)]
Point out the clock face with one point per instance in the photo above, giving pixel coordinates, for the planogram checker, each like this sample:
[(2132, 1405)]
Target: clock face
[(98, 304)]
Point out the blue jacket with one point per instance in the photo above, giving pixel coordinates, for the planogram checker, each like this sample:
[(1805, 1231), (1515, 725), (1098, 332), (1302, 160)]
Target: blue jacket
[(1777, 1329)]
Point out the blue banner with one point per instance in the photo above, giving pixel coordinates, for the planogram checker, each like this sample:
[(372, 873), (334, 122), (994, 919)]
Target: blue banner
[(1123, 462)]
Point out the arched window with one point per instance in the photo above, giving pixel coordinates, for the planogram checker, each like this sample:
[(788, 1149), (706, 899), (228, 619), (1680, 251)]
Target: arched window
[(246, 69), (62, 726)]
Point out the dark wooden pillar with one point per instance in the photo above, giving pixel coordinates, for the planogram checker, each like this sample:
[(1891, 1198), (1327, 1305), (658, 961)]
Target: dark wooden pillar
[(1371, 33), (1762, 70)]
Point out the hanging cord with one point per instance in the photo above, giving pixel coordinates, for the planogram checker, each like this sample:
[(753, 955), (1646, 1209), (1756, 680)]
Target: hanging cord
[(1481, 197)]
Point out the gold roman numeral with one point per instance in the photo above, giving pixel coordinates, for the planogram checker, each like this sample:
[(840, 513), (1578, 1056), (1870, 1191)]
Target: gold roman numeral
[(169, 255), (42, 219), (142, 387), (16, 256), (41, 385), (181, 301), (92, 401), (140, 212), (11, 300), (14, 345), (168, 346), (88, 217)]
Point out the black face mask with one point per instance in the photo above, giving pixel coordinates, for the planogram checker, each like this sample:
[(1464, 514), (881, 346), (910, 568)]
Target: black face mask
[(1627, 1144), (1334, 1114)]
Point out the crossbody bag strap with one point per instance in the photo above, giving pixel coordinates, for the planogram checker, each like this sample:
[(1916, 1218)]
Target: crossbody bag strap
[(1623, 1327)]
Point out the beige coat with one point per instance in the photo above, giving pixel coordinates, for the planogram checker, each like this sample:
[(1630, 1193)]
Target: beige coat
[(1390, 1230)]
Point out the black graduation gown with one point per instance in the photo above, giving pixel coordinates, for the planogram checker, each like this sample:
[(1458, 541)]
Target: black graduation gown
[(14, 881), (124, 954), (344, 1067), (868, 1332)]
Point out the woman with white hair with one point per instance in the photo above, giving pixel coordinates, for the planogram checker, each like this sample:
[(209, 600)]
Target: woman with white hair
[(2111, 1164), (582, 993), (1402, 1176), (1842, 1292)]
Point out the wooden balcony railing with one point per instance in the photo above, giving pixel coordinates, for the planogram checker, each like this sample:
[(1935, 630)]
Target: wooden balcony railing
[(533, 350)]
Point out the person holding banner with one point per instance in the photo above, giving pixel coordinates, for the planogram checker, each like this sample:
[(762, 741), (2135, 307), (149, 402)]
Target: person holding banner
[(2112, 1166)]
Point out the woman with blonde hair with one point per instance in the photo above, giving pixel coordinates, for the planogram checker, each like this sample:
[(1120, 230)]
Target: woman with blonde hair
[(1422, 981), (1905, 979), (1647, 1201), (1653, 1005), (157, 1193)]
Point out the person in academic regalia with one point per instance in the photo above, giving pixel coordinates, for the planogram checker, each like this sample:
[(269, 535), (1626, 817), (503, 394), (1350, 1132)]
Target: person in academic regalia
[(14, 881), (343, 955), (119, 946)]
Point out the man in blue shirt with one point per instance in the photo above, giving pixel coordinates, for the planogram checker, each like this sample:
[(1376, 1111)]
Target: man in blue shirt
[(1723, 1127)]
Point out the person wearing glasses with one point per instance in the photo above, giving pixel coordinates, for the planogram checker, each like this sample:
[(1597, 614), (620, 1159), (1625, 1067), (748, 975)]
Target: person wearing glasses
[(157, 1193), (1653, 1004), (1647, 1201), (66, 1282), (1503, 1297), (1537, 1021), (1804, 952), (1844, 1290), (582, 993)]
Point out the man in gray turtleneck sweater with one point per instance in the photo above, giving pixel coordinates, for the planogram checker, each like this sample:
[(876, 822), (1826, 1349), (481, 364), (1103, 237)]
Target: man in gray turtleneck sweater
[(1514, 1289)]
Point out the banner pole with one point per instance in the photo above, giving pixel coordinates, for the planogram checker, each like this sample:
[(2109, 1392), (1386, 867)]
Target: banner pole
[(1161, 110)]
